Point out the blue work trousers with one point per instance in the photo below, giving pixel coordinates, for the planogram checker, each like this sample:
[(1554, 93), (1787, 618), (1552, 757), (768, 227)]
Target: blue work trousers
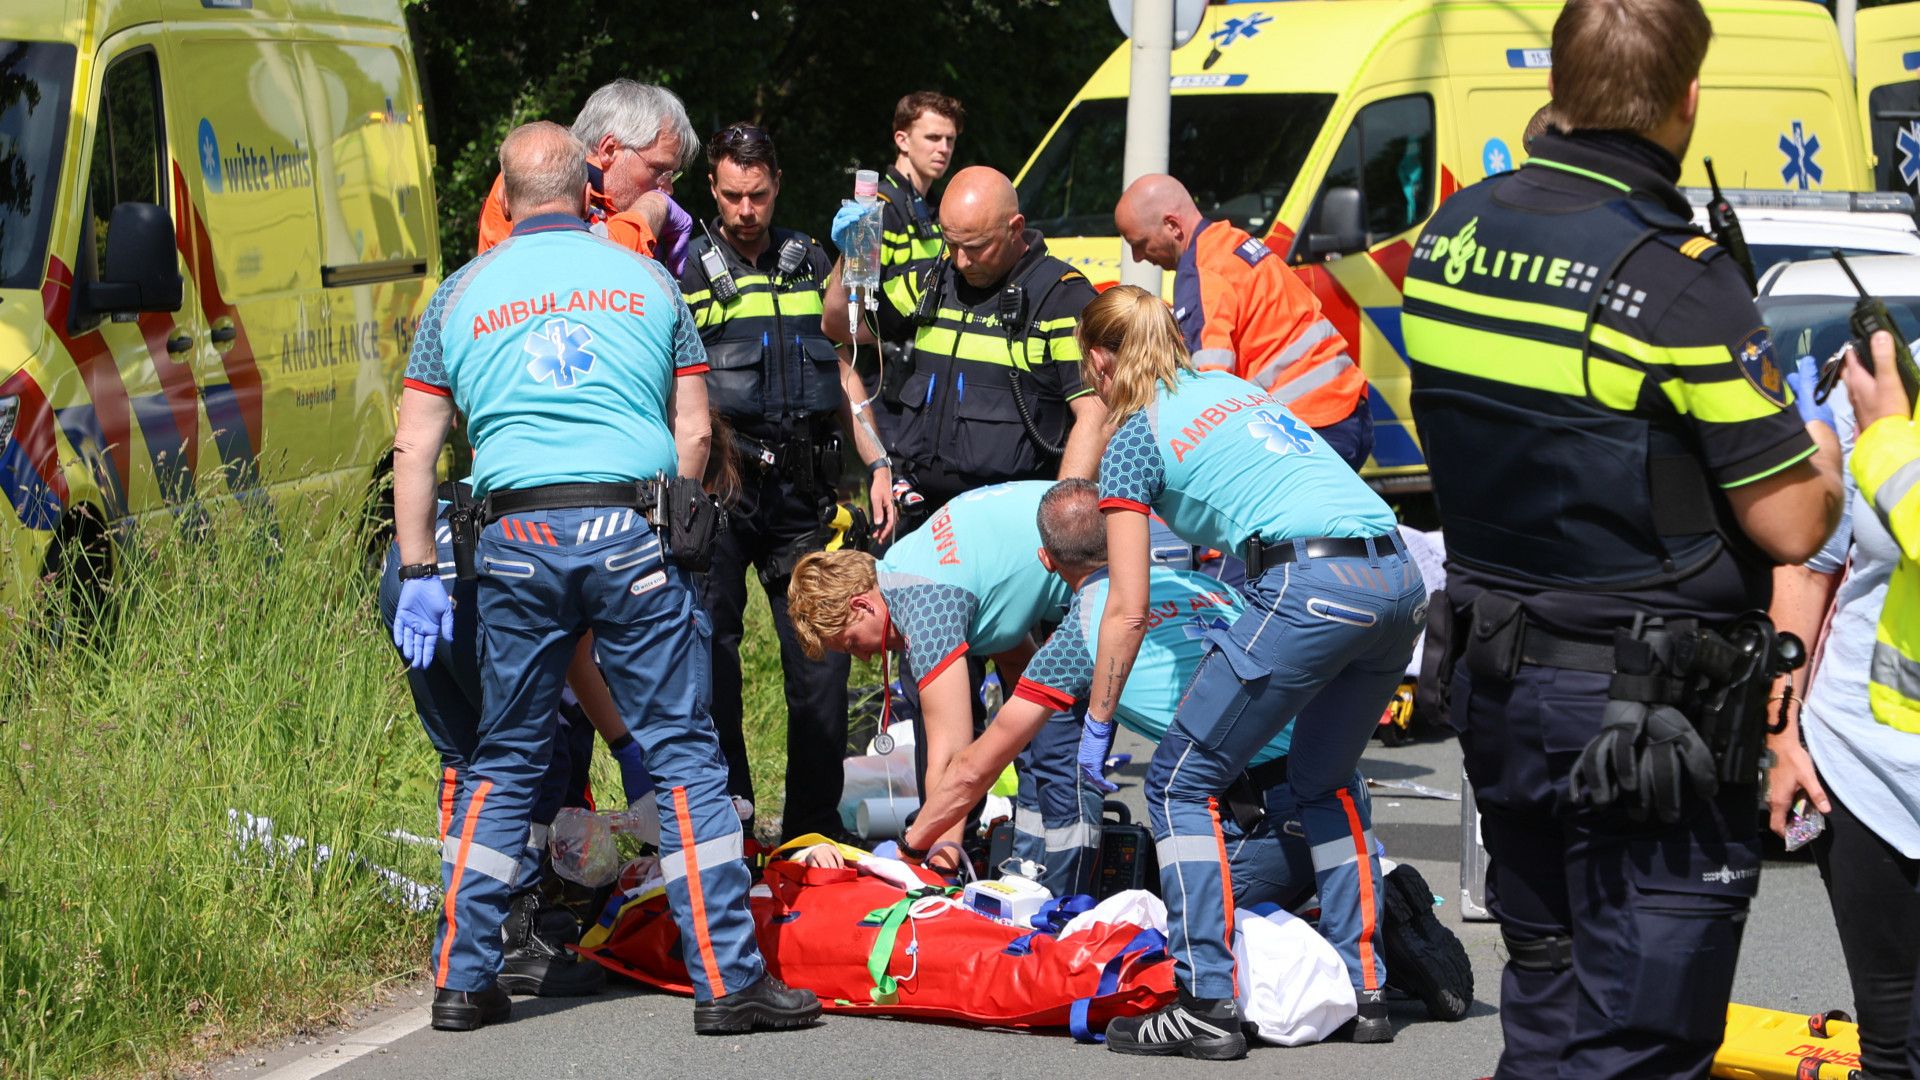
[(1653, 912), (1271, 862), (1324, 642), (547, 578), (1056, 815), (446, 697)]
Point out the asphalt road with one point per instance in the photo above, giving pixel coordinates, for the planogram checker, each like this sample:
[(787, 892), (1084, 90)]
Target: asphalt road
[(1791, 960)]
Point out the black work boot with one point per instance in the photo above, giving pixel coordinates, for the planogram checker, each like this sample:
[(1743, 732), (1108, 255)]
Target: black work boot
[(1204, 1028), (465, 1010), (537, 958), (1373, 1025), (1424, 958), (767, 1004)]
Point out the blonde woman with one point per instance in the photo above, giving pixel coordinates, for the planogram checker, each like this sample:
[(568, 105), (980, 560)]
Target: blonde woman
[(1333, 607)]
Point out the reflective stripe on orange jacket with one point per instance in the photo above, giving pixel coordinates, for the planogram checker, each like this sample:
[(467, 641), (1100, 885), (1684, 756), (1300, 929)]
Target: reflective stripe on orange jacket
[(628, 229), (1244, 311)]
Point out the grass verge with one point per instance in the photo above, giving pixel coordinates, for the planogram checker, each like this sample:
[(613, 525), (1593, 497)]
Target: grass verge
[(244, 668)]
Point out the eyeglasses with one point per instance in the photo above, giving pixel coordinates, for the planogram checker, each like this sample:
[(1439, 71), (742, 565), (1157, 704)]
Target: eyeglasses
[(663, 174)]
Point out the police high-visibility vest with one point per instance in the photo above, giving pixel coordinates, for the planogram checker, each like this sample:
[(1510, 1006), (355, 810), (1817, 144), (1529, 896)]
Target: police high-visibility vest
[(1886, 465), (910, 237), (768, 358)]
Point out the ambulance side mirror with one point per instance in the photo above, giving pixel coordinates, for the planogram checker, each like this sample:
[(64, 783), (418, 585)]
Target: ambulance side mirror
[(1339, 227), (142, 272)]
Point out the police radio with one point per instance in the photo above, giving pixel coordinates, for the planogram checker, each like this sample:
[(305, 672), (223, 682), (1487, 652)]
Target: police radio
[(928, 308), (714, 266), (1870, 316), (1724, 224), (793, 252)]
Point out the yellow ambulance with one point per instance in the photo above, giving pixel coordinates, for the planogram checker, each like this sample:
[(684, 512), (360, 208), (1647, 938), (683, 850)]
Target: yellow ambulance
[(1886, 51), (216, 240), (1275, 105)]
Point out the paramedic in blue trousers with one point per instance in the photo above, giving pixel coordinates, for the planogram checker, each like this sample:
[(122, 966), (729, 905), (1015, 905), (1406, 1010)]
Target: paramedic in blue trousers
[(1334, 605), (967, 584), (446, 697), (1269, 859), (578, 370)]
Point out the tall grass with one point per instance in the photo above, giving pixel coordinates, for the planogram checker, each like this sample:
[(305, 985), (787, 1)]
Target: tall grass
[(241, 665)]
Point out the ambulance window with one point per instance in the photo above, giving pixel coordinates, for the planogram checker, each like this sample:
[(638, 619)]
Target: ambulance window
[(1237, 153), (1388, 155), (129, 146), (1893, 118), (34, 79)]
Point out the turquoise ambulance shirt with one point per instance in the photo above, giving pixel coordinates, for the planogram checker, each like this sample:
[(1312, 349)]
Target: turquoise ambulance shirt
[(1182, 605), (1222, 461), (970, 579), (560, 348)]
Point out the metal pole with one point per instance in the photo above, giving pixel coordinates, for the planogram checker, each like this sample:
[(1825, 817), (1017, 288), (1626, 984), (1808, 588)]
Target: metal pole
[(1149, 108), (1843, 14)]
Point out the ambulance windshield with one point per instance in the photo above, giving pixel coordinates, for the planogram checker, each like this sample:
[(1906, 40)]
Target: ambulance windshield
[(34, 77), (1237, 153)]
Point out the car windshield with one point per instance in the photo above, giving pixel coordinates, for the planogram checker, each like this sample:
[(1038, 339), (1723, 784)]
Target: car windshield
[(1237, 153), (34, 78), (1767, 256), (1816, 326)]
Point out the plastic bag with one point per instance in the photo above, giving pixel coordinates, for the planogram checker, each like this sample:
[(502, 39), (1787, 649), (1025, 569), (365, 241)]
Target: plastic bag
[(1293, 985)]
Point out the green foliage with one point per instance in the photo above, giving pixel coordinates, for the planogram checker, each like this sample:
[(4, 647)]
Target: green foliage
[(244, 670), (821, 75)]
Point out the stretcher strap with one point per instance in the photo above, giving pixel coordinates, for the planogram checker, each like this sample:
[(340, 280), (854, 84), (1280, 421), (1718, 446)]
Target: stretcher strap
[(886, 987), (1144, 944), (1055, 914)]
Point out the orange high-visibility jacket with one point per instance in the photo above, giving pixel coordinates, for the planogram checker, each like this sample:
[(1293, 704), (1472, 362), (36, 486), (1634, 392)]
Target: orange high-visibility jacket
[(1244, 311), (628, 229)]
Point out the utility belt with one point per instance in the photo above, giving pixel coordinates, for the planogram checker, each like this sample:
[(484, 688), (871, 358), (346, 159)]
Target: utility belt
[(808, 461), (686, 518), (1263, 555), (1246, 796), (1687, 702)]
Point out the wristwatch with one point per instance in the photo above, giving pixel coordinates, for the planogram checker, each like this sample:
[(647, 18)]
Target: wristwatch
[(881, 462), (416, 571), (912, 854)]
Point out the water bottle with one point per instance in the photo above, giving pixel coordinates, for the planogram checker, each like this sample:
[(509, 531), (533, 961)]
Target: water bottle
[(863, 243)]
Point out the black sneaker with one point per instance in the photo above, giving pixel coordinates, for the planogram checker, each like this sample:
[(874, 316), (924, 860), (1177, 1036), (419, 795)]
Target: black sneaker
[(465, 1010), (768, 1004), (1424, 958), (537, 958), (1373, 1025), (1208, 1030)]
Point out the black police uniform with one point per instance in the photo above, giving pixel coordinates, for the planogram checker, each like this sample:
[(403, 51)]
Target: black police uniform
[(776, 378), (993, 371), (1589, 377)]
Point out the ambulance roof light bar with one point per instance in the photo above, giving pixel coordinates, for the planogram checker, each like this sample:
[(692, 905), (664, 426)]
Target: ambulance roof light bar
[(1853, 202)]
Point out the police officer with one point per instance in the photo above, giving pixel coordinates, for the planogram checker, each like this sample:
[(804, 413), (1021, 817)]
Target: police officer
[(926, 125), (1244, 311), (579, 372), (995, 392), (1617, 468), (755, 292), (638, 138)]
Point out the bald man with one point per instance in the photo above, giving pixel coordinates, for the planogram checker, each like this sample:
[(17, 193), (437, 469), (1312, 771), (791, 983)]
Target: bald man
[(995, 392), (1245, 312)]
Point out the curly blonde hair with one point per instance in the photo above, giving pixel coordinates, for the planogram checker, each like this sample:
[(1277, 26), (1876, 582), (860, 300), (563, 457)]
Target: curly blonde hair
[(820, 595), (1136, 327)]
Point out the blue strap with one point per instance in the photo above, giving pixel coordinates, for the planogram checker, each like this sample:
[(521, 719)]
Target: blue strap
[(1144, 942), (1055, 914)]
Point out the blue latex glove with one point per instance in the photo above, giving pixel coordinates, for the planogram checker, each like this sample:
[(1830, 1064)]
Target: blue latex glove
[(843, 222), (635, 781), (1096, 739), (425, 616), (1803, 377), (887, 849), (672, 242)]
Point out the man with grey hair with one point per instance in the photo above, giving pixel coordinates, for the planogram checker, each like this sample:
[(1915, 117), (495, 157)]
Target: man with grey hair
[(580, 374), (636, 138)]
